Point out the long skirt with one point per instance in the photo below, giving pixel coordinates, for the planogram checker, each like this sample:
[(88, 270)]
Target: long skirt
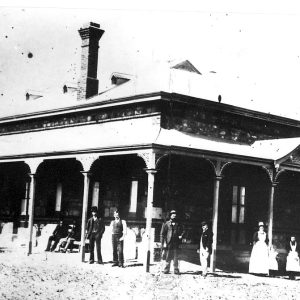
[(259, 259), (273, 263), (292, 262)]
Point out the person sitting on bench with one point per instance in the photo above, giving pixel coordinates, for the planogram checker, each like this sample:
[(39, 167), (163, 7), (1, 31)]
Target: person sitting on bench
[(66, 242), (58, 233)]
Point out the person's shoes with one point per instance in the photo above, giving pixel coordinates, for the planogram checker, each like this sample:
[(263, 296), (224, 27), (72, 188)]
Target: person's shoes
[(166, 272), (114, 264), (91, 262), (100, 262), (176, 272), (121, 266)]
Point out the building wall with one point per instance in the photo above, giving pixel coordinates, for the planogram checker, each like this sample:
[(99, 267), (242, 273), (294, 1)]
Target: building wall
[(205, 121)]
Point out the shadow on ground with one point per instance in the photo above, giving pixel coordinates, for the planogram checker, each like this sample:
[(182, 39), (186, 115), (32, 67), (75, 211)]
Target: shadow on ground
[(4, 249), (211, 274)]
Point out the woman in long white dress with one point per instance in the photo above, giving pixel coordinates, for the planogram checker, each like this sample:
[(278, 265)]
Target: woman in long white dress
[(259, 259), (292, 260)]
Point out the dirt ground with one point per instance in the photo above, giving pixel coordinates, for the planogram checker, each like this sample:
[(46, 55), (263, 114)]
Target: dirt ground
[(63, 276)]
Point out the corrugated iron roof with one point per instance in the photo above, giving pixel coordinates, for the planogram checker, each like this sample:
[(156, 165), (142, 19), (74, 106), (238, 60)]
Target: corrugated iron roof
[(160, 78), (267, 149)]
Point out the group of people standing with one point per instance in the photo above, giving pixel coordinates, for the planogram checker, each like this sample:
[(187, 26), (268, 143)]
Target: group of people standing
[(95, 230), (171, 235), (63, 236), (263, 257)]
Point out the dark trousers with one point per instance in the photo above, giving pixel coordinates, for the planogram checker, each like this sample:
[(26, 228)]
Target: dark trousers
[(118, 256), (55, 240), (95, 239), (171, 254)]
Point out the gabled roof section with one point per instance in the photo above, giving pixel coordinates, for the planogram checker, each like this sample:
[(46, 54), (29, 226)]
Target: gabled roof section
[(186, 66)]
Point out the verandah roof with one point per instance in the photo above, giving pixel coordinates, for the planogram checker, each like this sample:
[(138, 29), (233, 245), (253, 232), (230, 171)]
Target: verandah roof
[(126, 134), (111, 135), (274, 149)]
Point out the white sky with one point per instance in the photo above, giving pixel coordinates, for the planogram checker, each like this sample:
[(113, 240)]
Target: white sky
[(254, 46)]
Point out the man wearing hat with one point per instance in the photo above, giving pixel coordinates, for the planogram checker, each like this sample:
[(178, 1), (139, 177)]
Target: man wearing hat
[(170, 236), (205, 247), (95, 230)]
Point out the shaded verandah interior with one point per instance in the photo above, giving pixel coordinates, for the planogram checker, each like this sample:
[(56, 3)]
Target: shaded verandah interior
[(183, 183)]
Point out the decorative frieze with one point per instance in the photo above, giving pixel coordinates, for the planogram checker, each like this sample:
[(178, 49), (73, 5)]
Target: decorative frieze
[(222, 125), (79, 118)]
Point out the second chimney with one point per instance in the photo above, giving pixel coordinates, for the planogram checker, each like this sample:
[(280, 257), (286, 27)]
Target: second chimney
[(88, 83)]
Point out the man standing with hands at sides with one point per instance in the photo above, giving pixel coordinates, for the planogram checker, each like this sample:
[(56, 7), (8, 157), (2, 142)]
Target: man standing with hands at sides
[(95, 230), (205, 247), (171, 236), (119, 230)]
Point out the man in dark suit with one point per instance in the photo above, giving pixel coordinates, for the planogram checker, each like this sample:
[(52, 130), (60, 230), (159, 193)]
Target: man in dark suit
[(59, 232), (95, 230), (171, 236), (205, 247)]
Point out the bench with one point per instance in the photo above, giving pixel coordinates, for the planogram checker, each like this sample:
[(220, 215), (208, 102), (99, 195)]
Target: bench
[(77, 245)]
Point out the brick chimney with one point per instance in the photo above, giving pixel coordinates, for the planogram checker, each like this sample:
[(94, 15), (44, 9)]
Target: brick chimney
[(88, 83)]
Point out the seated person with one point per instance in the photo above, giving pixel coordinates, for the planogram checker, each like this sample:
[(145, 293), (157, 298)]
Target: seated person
[(58, 233), (66, 242)]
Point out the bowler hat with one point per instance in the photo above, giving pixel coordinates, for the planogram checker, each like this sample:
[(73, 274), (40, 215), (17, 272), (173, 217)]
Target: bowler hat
[(204, 223), (94, 209), (173, 212), (261, 224)]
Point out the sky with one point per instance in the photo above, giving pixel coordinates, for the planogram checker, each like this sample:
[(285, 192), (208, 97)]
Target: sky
[(250, 49)]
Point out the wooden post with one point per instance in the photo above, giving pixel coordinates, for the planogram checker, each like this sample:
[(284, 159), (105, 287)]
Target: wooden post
[(84, 212), (31, 211), (270, 217), (215, 222), (151, 173)]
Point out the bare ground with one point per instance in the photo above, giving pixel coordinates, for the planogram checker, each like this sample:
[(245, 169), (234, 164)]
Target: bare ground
[(63, 276)]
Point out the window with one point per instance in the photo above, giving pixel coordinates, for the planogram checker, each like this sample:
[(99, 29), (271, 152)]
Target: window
[(238, 204)]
